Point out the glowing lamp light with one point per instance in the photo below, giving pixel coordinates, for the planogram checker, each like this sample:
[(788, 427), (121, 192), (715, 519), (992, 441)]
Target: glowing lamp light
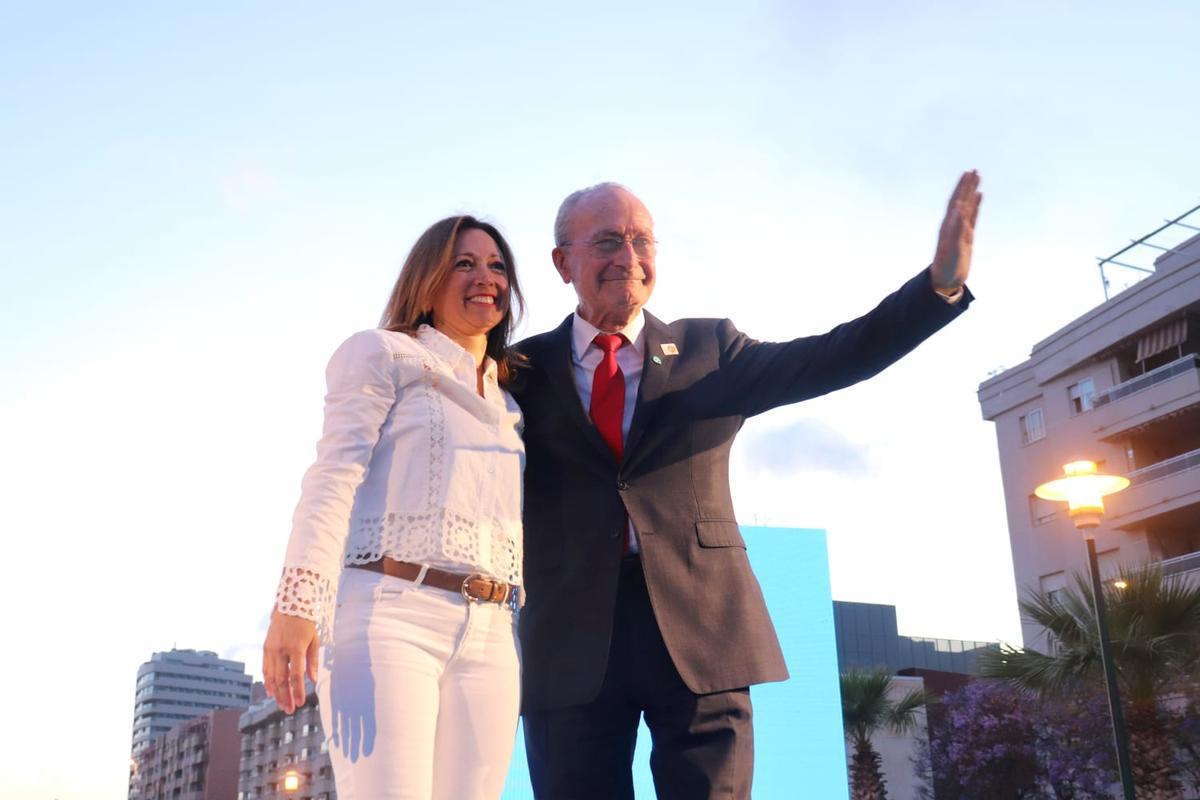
[(1120, 584), (291, 781), (1083, 489)]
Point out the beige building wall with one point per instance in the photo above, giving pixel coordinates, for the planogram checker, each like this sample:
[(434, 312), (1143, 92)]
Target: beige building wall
[(196, 760), (1121, 386)]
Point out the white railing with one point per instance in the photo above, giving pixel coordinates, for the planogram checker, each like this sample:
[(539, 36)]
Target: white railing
[(1162, 469), (1167, 371), (1180, 564)]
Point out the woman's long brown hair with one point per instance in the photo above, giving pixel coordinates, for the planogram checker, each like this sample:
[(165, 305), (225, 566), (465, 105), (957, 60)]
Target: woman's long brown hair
[(429, 262)]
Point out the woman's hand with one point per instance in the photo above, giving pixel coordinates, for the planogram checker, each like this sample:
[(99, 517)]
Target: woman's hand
[(289, 652)]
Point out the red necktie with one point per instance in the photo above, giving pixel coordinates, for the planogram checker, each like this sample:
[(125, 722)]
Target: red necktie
[(608, 393), (608, 402)]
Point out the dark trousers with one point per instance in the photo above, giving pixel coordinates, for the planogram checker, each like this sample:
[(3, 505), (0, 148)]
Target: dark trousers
[(703, 745)]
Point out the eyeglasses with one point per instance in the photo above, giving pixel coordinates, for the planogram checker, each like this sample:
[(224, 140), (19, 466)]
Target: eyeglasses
[(643, 246)]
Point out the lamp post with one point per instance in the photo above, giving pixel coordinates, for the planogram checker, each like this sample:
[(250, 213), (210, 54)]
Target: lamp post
[(1084, 490)]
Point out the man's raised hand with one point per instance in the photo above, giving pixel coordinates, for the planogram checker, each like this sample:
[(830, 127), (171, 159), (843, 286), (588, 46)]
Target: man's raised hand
[(952, 261)]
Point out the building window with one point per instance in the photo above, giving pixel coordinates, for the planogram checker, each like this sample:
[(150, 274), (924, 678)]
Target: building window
[(1033, 426), (1041, 511), (1110, 566), (1054, 585), (1081, 395)]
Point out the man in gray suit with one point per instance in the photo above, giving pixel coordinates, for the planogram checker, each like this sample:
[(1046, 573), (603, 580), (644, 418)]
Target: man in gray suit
[(641, 600)]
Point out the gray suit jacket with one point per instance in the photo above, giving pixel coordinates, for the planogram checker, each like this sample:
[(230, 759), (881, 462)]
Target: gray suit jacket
[(673, 482)]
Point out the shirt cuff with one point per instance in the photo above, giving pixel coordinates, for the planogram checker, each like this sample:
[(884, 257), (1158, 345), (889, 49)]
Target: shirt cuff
[(949, 296)]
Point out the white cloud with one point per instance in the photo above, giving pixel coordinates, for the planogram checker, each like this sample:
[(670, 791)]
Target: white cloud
[(806, 445)]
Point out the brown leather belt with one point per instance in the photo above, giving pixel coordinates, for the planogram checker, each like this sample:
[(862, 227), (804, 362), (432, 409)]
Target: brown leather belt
[(477, 587)]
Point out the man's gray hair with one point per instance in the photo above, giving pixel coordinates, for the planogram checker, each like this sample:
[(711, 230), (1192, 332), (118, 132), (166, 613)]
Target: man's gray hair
[(572, 200)]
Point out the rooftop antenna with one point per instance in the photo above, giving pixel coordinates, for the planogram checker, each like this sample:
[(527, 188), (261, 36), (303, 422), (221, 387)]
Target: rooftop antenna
[(1145, 241)]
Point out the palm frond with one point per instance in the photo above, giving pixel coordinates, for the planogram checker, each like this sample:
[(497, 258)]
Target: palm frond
[(866, 706), (1153, 622), (903, 716), (1044, 673)]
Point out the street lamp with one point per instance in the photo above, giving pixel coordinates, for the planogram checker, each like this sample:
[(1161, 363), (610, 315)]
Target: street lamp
[(1084, 490), (291, 781)]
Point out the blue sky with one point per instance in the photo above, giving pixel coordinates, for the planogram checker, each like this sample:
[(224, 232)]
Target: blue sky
[(198, 203)]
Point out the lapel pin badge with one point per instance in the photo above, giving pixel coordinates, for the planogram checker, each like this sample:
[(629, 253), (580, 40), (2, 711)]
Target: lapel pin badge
[(656, 359), (669, 349)]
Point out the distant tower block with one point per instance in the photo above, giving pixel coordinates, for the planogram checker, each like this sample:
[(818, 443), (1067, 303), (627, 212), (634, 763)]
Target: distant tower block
[(179, 685)]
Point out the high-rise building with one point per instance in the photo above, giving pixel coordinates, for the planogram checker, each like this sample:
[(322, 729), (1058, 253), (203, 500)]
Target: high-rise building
[(195, 760), (274, 744), (868, 638), (1120, 385), (178, 685)]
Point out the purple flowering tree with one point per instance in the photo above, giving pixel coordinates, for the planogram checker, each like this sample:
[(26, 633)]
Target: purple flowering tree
[(1154, 622), (990, 741), (1074, 745)]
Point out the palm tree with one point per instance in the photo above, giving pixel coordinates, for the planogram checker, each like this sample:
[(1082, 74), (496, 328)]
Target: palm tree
[(866, 708), (1154, 624)]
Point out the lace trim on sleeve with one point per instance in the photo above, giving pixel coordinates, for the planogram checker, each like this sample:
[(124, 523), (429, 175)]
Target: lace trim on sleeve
[(309, 595)]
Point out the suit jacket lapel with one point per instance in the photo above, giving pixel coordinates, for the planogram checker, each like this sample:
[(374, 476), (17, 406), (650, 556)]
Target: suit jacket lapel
[(560, 372), (654, 381)]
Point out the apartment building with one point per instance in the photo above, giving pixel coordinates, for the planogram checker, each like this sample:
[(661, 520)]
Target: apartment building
[(274, 744), (1120, 385), (196, 760), (179, 685)]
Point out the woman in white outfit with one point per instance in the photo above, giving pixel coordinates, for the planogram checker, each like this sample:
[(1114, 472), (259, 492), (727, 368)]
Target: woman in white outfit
[(416, 490)]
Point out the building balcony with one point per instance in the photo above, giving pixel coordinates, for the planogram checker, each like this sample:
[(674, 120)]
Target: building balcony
[(1156, 490), (1181, 565), (1139, 401), (1172, 466)]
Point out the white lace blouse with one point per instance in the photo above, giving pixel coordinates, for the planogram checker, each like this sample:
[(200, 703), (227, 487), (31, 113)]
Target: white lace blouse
[(413, 464)]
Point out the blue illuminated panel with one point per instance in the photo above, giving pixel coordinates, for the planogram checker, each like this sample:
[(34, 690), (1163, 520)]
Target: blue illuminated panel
[(798, 723)]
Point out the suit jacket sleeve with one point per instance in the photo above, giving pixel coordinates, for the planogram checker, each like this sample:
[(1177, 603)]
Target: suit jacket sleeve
[(758, 376)]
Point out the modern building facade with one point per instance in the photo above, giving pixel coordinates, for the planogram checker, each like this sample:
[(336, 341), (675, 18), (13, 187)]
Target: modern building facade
[(274, 744), (195, 760), (1120, 385), (179, 685), (867, 638)]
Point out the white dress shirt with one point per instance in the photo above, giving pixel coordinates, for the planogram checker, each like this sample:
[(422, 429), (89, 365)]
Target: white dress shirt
[(586, 356), (413, 464)]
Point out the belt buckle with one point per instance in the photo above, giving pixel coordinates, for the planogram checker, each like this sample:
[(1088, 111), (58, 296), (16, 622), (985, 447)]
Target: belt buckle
[(467, 580), (512, 601)]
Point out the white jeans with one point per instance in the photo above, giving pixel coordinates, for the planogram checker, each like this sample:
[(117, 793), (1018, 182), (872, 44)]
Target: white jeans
[(419, 692)]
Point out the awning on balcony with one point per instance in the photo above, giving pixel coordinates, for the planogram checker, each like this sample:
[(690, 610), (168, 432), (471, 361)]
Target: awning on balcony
[(1162, 338)]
